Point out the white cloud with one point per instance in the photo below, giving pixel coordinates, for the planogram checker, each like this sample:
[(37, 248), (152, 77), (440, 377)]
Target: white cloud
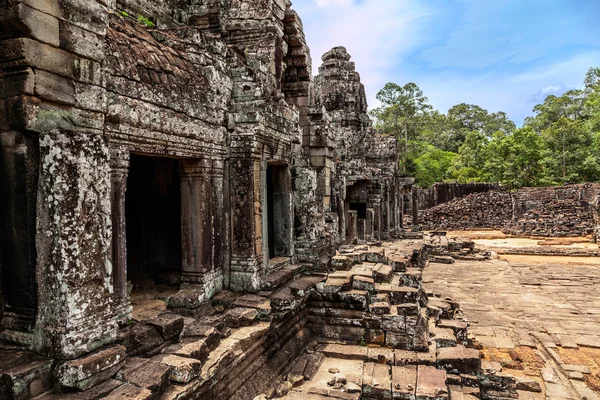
[(326, 3), (377, 33)]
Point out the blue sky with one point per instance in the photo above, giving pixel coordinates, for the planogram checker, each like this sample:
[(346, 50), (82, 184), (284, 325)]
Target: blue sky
[(504, 55)]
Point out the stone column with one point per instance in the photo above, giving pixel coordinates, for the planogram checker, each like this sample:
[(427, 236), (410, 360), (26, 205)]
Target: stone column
[(119, 169), (385, 214), (75, 284), (362, 227), (352, 229), (201, 221), (369, 224), (246, 212), (401, 211), (377, 222), (415, 209)]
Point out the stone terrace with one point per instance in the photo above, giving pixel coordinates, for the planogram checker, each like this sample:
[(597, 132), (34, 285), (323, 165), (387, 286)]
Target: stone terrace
[(550, 307)]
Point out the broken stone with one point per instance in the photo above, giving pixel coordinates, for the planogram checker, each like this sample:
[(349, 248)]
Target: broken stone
[(183, 369), (88, 371), (239, 317), (168, 325)]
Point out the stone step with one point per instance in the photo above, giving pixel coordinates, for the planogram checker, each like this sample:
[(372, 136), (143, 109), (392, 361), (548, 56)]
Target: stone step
[(97, 392), (404, 382), (145, 373), (279, 277), (90, 370), (431, 383), (276, 263), (24, 374), (376, 382), (459, 359)]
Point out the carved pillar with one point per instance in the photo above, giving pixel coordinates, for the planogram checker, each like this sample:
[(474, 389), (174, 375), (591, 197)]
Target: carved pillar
[(377, 222), (415, 208), (369, 224), (201, 221), (119, 169), (352, 229), (246, 214), (75, 285)]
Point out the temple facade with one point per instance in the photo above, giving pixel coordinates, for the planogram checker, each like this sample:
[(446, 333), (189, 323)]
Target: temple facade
[(176, 143)]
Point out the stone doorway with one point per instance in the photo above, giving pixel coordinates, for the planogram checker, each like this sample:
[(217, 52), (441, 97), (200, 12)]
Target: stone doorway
[(279, 211), (19, 171), (153, 223)]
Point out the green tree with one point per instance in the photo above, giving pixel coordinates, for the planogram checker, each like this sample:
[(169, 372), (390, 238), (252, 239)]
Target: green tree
[(515, 159), (432, 165), (400, 114), (569, 154), (468, 166)]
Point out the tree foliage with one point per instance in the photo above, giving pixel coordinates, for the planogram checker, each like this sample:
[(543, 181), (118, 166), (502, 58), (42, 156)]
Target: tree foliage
[(558, 144)]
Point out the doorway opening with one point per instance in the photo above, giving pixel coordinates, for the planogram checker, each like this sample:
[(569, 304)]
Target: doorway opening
[(19, 171), (153, 223), (278, 198)]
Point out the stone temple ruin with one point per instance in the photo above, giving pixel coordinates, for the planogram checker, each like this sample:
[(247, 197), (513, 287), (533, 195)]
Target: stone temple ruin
[(187, 213)]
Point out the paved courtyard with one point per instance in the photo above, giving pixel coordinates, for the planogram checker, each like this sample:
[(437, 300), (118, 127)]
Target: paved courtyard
[(546, 304)]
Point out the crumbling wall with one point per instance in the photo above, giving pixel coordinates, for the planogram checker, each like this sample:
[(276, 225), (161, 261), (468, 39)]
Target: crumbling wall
[(554, 211), (444, 192), (491, 209), (549, 211)]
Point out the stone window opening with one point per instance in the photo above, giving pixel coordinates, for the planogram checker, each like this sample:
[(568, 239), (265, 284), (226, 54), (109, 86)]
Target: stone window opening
[(153, 224)]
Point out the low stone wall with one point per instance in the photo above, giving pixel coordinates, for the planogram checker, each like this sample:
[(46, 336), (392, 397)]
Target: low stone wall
[(445, 192), (491, 209), (550, 211)]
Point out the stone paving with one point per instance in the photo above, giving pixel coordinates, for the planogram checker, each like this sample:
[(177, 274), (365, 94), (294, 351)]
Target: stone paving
[(538, 305)]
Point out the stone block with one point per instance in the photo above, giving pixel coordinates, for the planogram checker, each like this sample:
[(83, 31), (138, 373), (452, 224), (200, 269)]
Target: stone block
[(21, 20), (183, 369), (85, 372), (130, 392), (240, 316), (344, 352), (145, 373), (380, 355), (24, 375), (168, 325), (431, 384), (376, 382), (210, 334), (404, 382), (458, 359), (189, 348), (363, 283)]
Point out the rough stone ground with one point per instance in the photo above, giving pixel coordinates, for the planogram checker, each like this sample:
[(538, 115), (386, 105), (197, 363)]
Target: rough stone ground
[(548, 305)]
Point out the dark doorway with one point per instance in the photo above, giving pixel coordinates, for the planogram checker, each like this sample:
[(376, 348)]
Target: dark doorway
[(360, 208), (278, 211), (19, 171), (153, 222)]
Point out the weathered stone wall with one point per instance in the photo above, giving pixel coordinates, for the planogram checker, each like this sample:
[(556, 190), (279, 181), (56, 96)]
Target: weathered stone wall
[(549, 211), (491, 209), (222, 89), (444, 192), (554, 211)]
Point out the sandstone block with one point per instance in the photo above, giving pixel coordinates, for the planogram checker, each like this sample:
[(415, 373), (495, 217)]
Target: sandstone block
[(169, 326), (145, 373), (87, 371), (183, 369), (458, 359), (431, 383), (189, 348), (130, 392), (404, 382)]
